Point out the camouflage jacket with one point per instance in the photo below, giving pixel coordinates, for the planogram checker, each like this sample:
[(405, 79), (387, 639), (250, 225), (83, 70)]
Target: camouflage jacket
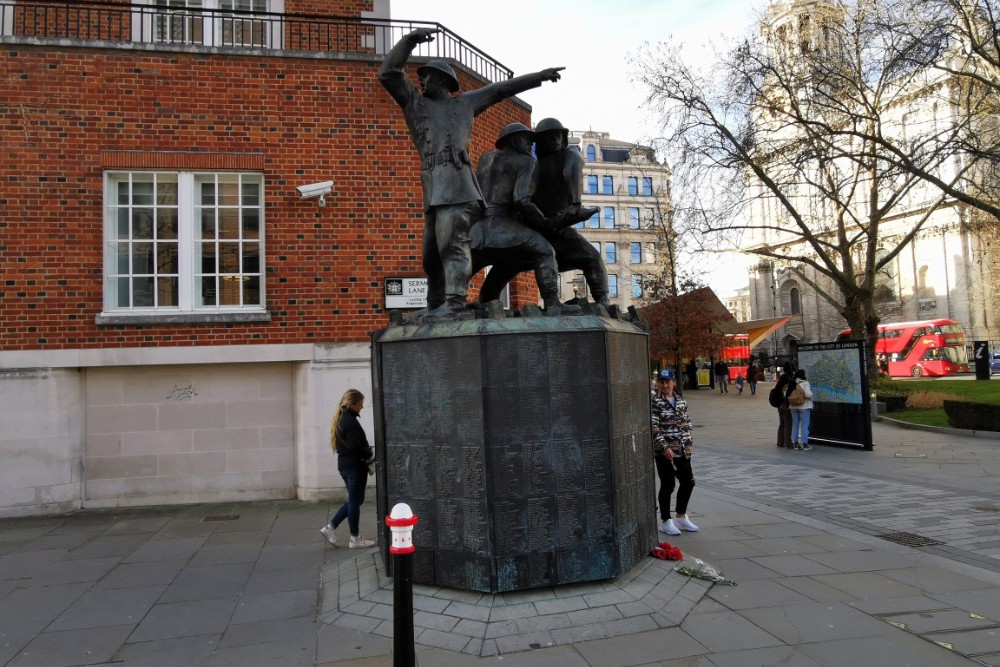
[(671, 425)]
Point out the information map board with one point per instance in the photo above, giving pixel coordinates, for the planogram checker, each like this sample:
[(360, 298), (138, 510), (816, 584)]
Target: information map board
[(838, 376)]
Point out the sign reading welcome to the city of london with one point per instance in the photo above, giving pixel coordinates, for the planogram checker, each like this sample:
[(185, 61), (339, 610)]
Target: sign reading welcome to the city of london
[(838, 375)]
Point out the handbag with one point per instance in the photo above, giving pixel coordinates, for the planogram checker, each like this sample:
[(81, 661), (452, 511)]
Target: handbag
[(796, 396)]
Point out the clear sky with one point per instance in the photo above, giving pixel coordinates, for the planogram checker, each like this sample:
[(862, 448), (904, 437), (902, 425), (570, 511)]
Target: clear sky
[(593, 39)]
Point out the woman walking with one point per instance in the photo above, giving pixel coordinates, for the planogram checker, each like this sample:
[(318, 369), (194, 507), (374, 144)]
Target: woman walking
[(348, 440)]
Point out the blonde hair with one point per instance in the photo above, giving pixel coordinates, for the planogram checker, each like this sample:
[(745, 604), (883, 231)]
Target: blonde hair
[(350, 397)]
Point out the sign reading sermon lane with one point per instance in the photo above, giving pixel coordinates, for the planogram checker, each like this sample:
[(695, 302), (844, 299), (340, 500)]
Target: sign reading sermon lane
[(406, 292)]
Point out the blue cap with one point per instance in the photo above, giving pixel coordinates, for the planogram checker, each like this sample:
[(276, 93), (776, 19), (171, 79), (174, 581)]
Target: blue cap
[(666, 374)]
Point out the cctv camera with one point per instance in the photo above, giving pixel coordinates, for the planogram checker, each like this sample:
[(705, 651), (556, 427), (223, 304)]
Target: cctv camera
[(316, 190)]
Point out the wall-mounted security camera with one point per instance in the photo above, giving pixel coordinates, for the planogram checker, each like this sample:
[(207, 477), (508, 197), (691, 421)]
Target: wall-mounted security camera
[(320, 190)]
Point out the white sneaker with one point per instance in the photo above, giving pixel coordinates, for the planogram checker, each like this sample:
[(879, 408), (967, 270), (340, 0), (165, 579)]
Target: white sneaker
[(669, 528), (685, 524), (360, 543), (328, 533)]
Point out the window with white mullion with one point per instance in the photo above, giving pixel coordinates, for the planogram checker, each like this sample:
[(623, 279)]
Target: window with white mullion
[(184, 242), (142, 250), (180, 25), (228, 250), (240, 29), (184, 22), (6, 17), (185, 239)]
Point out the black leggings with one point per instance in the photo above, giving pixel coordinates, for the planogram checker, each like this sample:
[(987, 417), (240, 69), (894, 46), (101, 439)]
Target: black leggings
[(685, 478)]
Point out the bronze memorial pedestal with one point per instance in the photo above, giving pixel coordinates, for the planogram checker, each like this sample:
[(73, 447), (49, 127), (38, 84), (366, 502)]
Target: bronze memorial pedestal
[(523, 446)]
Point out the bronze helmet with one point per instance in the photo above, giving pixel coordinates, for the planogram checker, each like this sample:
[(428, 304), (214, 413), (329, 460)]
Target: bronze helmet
[(513, 128), (444, 68), (549, 124)]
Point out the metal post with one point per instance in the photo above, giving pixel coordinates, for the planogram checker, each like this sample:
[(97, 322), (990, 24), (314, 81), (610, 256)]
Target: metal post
[(401, 521)]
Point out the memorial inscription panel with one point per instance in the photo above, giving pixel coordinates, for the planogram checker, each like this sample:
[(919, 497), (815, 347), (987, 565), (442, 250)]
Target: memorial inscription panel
[(524, 453)]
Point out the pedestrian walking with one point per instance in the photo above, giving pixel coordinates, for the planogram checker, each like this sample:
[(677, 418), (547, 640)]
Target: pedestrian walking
[(354, 454), (722, 376), (752, 374)]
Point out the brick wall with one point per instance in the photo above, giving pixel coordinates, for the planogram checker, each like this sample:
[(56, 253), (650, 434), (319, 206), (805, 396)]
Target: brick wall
[(65, 111), (329, 7)]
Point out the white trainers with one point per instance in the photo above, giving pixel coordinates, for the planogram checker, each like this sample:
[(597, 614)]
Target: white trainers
[(328, 533), (669, 528), (360, 543), (685, 524)]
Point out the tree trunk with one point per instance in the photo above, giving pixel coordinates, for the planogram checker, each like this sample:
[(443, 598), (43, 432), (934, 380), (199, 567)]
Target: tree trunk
[(863, 319)]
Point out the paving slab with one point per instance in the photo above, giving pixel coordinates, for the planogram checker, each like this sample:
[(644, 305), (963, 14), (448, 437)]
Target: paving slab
[(889, 650), (167, 653), (98, 608), (184, 619), (727, 631), (644, 648), (814, 622), (71, 648)]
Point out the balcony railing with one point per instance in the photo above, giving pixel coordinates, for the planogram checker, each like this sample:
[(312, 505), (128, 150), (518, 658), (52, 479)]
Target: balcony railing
[(172, 28)]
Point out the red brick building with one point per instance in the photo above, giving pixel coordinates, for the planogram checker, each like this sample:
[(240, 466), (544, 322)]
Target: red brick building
[(177, 322)]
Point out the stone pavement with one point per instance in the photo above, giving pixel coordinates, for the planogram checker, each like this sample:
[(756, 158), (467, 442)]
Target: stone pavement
[(825, 546)]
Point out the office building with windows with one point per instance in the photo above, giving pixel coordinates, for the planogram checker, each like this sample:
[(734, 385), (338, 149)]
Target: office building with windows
[(632, 190), (179, 321)]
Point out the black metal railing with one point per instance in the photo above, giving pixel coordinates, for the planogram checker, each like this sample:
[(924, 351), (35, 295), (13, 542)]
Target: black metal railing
[(173, 27)]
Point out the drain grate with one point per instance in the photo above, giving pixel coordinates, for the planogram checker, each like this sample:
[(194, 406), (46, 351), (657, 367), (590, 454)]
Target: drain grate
[(222, 517), (910, 539)]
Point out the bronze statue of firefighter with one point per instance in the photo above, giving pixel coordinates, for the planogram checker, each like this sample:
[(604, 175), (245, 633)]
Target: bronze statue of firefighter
[(516, 216)]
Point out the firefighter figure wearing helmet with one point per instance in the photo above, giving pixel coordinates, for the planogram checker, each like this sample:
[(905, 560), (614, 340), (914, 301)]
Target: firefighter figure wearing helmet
[(508, 236), (440, 125), (560, 181)]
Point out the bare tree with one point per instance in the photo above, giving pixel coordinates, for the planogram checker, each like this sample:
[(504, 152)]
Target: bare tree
[(679, 317), (960, 41), (802, 138), (685, 322)]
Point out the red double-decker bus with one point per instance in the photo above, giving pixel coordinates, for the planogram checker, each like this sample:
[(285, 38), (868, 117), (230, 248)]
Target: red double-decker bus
[(926, 347), (736, 354)]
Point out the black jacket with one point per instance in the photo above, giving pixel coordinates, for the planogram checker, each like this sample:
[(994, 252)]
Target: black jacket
[(351, 443)]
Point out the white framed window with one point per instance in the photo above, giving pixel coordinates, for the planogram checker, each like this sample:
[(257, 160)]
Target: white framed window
[(242, 30), (184, 22), (183, 242), (6, 17)]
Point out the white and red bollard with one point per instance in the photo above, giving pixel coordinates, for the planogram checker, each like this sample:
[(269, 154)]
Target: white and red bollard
[(401, 521)]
